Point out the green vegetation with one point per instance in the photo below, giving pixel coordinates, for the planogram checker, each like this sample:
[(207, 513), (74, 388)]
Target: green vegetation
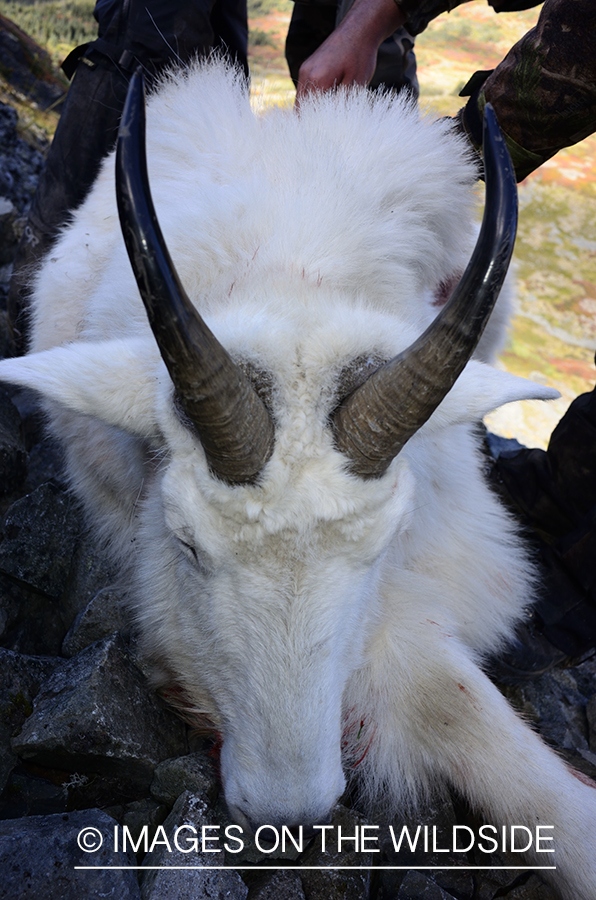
[(58, 25), (258, 8), (260, 38)]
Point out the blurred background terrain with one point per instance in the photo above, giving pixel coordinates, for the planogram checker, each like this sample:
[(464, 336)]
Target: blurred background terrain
[(553, 337)]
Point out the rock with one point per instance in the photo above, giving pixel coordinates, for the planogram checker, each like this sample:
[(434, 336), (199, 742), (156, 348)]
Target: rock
[(284, 884), (91, 572), (103, 615), (26, 794), (442, 816), (194, 772), (419, 886), (20, 680), (336, 884), (141, 813), (38, 856), (30, 622), (13, 459), (9, 237), (40, 532), (190, 883), (555, 704), (96, 713), (27, 67), (532, 889), (45, 464)]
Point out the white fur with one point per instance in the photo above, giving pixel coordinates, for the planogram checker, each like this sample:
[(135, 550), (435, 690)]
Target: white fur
[(288, 609)]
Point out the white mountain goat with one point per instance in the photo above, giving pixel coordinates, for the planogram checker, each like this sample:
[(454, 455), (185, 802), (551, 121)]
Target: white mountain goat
[(315, 560)]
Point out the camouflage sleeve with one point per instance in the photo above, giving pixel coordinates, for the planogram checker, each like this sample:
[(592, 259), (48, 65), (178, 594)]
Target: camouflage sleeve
[(420, 12), (544, 91)]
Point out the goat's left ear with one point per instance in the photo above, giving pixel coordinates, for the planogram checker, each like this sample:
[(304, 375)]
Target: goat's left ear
[(480, 389), (115, 381)]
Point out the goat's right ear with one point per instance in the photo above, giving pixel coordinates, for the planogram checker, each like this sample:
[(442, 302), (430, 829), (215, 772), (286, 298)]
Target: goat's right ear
[(115, 381)]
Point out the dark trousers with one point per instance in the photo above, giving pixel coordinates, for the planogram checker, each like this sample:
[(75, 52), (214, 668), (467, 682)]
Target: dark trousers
[(150, 33)]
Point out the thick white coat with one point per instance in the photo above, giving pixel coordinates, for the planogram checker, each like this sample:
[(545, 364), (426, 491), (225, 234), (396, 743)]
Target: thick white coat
[(316, 617)]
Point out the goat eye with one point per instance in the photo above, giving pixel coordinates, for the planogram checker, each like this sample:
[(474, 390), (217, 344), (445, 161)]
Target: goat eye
[(191, 550)]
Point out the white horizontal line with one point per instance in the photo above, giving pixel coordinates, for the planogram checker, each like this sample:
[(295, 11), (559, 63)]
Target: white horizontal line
[(337, 868)]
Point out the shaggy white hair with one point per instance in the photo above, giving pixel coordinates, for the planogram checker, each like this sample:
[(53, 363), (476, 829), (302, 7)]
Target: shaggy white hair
[(320, 620)]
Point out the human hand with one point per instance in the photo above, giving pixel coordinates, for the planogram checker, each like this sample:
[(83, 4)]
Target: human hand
[(349, 55)]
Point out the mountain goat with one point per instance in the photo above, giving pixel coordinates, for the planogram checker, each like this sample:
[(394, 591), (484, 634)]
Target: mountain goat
[(315, 560)]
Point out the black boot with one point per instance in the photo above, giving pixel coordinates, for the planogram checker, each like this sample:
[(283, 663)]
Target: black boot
[(553, 493)]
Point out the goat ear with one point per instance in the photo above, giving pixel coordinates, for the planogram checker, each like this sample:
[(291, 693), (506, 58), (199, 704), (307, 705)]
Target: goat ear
[(115, 381), (480, 389)]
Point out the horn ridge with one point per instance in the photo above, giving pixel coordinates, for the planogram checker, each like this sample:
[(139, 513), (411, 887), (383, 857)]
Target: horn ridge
[(374, 422), (234, 426)]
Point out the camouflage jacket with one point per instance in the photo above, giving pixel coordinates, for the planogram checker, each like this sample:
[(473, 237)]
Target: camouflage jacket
[(544, 91)]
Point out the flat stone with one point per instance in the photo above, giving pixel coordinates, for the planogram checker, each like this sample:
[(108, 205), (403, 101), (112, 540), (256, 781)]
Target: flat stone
[(40, 531), (38, 856), (20, 680), (190, 883), (140, 814), (30, 621), (91, 572), (284, 883), (96, 713), (418, 886), (103, 615), (556, 703), (194, 772), (333, 883)]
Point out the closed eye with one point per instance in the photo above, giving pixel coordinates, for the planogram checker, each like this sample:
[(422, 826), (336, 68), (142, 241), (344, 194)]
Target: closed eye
[(199, 559)]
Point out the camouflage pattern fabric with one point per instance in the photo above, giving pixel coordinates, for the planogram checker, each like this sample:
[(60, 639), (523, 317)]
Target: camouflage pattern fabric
[(544, 91)]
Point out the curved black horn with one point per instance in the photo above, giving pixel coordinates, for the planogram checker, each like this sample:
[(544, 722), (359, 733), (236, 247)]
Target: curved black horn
[(234, 426), (373, 423)]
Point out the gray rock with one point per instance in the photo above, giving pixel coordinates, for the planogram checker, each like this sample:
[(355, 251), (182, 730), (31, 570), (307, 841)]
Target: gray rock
[(20, 163), (440, 814), (38, 856), (142, 814), (96, 713), (40, 533), (419, 886), (556, 702), (9, 237), (501, 881), (46, 463), (533, 889), (194, 772), (20, 680), (284, 884), (103, 615), (31, 795), (91, 572), (13, 459), (335, 883), (190, 883), (30, 622)]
